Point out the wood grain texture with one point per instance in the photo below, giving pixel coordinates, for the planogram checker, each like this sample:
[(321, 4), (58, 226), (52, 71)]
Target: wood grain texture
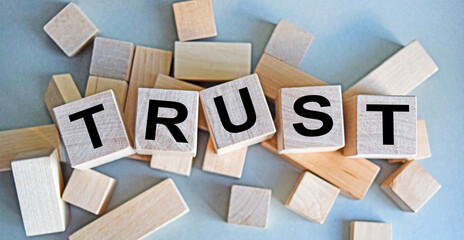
[(312, 197), (194, 19), (101, 84), (111, 58), (39, 185), (423, 146), (211, 61), (276, 74), (410, 186), (249, 206), (361, 230), (89, 190), (229, 164), (61, 90), (175, 162), (71, 29), (82, 154)]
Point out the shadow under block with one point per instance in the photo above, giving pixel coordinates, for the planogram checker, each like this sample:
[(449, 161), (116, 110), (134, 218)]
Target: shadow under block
[(229, 164), (353, 176), (242, 117), (89, 190), (398, 75), (138, 217), (423, 146), (410, 186), (312, 197), (101, 84), (111, 58), (361, 230), (61, 90), (39, 185), (71, 29), (249, 206), (289, 43), (211, 61), (381, 127), (194, 20), (316, 126), (276, 74), (92, 131)]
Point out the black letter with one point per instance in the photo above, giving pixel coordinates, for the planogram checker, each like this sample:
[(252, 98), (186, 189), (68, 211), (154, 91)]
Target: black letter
[(387, 119), (327, 122), (89, 123), (170, 123)]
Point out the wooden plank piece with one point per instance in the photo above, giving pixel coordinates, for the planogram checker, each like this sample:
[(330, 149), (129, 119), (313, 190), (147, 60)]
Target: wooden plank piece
[(228, 164), (111, 58), (194, 20), (61, 90), (101, 84), (361, 230), (249, 206)]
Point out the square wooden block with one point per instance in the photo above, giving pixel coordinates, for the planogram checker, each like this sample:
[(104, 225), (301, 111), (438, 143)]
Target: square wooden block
[(237, 114), (423, 146), (249, 206), (410, 186), (361, 230), (101, 84), (111, 58), (380, 127), (61, 90), (92, 130), (310, 119), (89, 190), (229, 164), (194, 19), (71, 29), (312, 197)]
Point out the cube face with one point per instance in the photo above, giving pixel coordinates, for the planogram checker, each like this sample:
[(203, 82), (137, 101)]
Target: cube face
[(249, 206), (111, 58), (194, 20), (101, 84), (361, 230), (228, 164)]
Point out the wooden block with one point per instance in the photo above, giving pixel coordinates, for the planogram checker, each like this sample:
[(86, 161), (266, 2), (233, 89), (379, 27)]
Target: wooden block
[(211, 61), (229, 164), (289, 43), (410, 186), (111, 58), (310, 119), (89, 190), (194, 20), (237, 114), (423, 146), (39, 185), (380, 127), (92, 131), (71, 29), (249, 206), (139, 217), (61, 90), (361, 230), (275, 74), (353, 176), (398, 75), (312, 197), (101, 84)]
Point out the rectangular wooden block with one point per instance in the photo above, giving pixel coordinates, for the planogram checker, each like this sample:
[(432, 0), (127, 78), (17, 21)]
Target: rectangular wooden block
[(410, 186), (249, 206), (71, 29), (310, 119), (194, 20), (39, 185), (312, 197), (237, 114), (92, 131), (89, 190), (61, 90), (361, 230), (139, 217), (423, 146), (211, 61), (101, 84), (276, 74), (228, 164)]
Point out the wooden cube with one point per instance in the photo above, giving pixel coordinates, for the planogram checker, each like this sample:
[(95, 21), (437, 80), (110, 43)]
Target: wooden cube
[(289, 43), (101, 84), (310, 119), (312, 197), (71, 29), (92, 130), (194, 19), (423, 146), (111, 58), (237, 114), (39, 185), (61, 90), (89, 190), (249, 206), (410, 186), (380, 127), (228, 164), (361, 230)]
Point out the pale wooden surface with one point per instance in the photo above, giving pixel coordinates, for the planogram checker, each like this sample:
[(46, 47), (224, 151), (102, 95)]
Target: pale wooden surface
[(194, 19), (361, 230), (138, 217), (289, 43), (249, 206), (223, 140), (111, 58), (101, 84), (275, 74), (110, 128), (175, 162), (39, 185), (89, 190), (228, 164), (71, 29), (410, 186), (211, 61), (312, 197), (423, 146), (289, 140), (61, 90)]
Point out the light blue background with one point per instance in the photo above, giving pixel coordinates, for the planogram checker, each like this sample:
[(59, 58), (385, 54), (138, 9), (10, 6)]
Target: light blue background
[(352, 37)]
